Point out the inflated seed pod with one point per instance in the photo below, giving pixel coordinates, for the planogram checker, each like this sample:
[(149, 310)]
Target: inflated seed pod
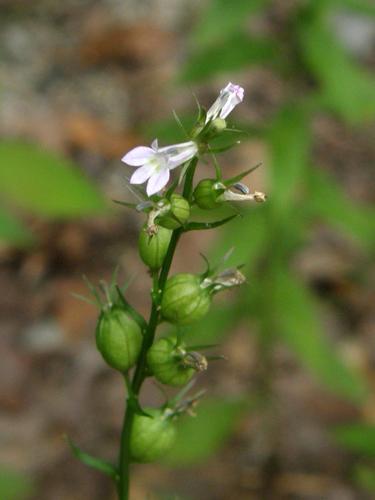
[(171, 364), (184, 300), (118, 338), (153, 248), (178, 214), (206, 196), (152, 436)]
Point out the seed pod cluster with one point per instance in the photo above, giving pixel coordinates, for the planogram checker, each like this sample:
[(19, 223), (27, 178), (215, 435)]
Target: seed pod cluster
[(171, 364), (184, 300), (118, 338), (151, 436)]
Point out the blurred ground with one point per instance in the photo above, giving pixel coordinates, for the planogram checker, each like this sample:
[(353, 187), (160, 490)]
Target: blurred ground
[(79, 77)]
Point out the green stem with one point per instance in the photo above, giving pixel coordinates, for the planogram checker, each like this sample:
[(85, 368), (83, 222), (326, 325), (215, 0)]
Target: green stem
[(148, 339)]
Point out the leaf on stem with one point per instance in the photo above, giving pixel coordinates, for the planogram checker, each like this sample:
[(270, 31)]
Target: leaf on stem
[(96, 463), (239, 177), (199, 226)]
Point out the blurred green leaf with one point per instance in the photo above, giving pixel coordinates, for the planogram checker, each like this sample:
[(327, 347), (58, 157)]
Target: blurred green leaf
[(231, 54), (44, 183), (12, 230), (168, 130), (214, 326), (348, 89), (330, 203), (223, 18), (289, 138), (246, 235), (359, 438), (365, 476), (296, 320), (199, 438), (13, 486), (365, 7)]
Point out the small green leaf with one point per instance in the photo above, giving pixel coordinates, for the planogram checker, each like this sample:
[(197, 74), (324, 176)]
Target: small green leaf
[(96, 463), (296, 321), (199, 226), (13, 231), (13, 486), (44, 183), (359, 438), (200, 437)]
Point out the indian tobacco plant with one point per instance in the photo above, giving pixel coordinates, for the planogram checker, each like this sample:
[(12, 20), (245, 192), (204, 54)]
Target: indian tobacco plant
[(126, 340)]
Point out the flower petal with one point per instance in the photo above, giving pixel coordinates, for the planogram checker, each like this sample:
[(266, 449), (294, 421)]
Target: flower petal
[(228, 99), (157, 181), (179, 153), (142, 174), (138, 156)]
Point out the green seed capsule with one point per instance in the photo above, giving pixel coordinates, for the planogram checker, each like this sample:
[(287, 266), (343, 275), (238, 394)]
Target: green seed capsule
[(153, 248), (118, 338), (184, 300), (205, 194), (168, 362), (178, 214), (151, 437)]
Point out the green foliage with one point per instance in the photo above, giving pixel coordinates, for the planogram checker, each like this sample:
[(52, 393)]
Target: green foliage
[(365, 7), (231, 54), (199, 438), (247, 235), (365, 476), (214, 326), (347, 89), (13, 486), (222, 18), (13, 231), (359, 438), (289, 140), (44, 183), (296, 320), (328, 202)]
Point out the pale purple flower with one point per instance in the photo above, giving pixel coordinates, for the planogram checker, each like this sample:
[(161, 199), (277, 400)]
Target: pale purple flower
[(154, 163), (228, 99)]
